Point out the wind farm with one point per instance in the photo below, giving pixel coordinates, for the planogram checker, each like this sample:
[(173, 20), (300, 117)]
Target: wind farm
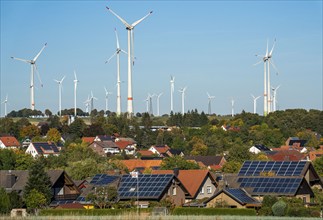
[(166, 50)]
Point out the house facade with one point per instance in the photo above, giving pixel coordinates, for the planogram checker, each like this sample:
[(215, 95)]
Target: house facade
[(42, 149), (9, 142)]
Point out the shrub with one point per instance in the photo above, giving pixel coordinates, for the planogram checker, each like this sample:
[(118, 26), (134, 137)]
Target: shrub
[(214, 211), (279, 208)]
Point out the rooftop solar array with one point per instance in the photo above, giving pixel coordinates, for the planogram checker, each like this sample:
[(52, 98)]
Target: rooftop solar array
[(151, 186), (103, 179), (46, 147), (241, 195), (278, 168), (268, 185)]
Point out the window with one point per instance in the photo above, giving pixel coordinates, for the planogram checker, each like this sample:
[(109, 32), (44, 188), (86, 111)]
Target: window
[(202, 190), (209, 189), (174, 191)]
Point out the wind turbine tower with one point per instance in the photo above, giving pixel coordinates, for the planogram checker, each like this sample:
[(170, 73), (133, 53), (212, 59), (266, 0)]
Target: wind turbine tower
[(255, 103), (117, 53), (275, 97), (32, 75), (75, 86), (87, 104), (232, 107), (209, 102), (158, 96), (60, 94), (92, 101), (182, 90), (130, 29), (5, 105), (172, 81), (107, 99)]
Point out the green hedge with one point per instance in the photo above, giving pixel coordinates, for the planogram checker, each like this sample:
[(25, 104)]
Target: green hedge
[(214, 211), (88, 212)]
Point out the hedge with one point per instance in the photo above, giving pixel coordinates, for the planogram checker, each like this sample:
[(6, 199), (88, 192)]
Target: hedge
[(88, 212), (214, 211)]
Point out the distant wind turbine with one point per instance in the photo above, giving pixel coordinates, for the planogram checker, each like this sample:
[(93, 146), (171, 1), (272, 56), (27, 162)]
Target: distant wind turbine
[(92, 101), (275, 97), (75, 86), (232, 107), (59, 82), (32, 75), (172, 81), (182, 91), (87, 104), (158, 96), (255, 103), (209, 102), (117, 53), (107, 99), (5, 105), (130, 29)]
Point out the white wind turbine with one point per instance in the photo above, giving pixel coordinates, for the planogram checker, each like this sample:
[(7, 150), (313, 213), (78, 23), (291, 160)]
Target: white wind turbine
[(32, 81), (182, 90), (92, 101), (172, 81), (147, 103), (158, 96), (209, 102), (275, 97), (75, 86), (87, 104), (118, 50), (107, 93), (267, 61), (255, 103), (130, 28), (232, 107), (59, 82), (5, 105)]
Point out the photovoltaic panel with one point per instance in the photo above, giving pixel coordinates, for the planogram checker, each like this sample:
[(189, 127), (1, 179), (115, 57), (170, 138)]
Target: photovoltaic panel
[(151, 186), (267, 185), (241, 195), (103, 179), (277, 168)]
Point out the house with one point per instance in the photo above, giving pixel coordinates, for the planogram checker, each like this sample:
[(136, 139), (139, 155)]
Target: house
[(141, 165), (174, 152), (233, 198), (104, 138), (104, 147), (42, 149), (295, 141), (145, 153), (159, 150), (258, 148), (88, 140), (286, 155), (128, 147), (62, 186), (200, 184), (9, 142), (210, 162), (152, 187)]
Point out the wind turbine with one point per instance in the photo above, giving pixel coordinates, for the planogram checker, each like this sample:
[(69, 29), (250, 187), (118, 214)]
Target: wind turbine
[(118, 50), (232, 107), (33, 69), (130, 29), (107, 99), (87, 104), (60, 94), (75, 86), (172, 81), (182, 90), (5, 105), (147, 103), (266, 59), (275, 97), (92, 101), (158, 96), (209, 102), (255, 103)]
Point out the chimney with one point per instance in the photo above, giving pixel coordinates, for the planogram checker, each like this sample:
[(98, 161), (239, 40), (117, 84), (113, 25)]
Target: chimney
[(176, 172), (10, 179)]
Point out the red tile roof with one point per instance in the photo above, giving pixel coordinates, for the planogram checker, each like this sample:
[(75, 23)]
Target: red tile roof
[(162, 149), (145, 153), (287, 155), (10, 141), (88, 139), (123, 144), (132, 164)]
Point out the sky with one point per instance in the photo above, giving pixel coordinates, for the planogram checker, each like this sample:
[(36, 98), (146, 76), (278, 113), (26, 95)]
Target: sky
[(208, 46)]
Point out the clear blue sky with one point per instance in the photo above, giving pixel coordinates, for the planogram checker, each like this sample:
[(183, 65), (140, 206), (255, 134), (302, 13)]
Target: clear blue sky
[(209, 46)]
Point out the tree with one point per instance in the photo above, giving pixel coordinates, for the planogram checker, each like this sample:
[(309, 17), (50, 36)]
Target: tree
[(4, 201), (15, 200), (35, 200), (29, 131), (279, 208), (179, 162), (266, 205), (23, 161), (318, 165), (103, 196), (231, 167), (48, 112), (53, 135), (83, 169), (199, 148), (7, 159), (38, 180), (239, 154)]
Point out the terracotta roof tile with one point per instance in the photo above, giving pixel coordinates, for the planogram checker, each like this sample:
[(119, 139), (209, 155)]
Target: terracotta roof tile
[(145, 153), (132, 164), (123, 144), (88, 139), (10, 141)]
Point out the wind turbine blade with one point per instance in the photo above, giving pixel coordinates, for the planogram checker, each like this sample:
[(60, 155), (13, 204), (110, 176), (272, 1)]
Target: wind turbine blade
[(272, 49), (267, 49), (121, 19), (36, 57), (208, 95), (123, 51), (118, 46), (56, 80), (75, 78), (257, 63), (23, 60), (272, 63), (62, 79), (105, 89), (140, 20), (111, 57), (41, 83), (252, 96)]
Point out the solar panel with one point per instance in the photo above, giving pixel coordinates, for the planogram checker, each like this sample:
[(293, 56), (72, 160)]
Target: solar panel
[(264, 185), (151, 186), (241, 195), (277, 168), (103, 179)]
